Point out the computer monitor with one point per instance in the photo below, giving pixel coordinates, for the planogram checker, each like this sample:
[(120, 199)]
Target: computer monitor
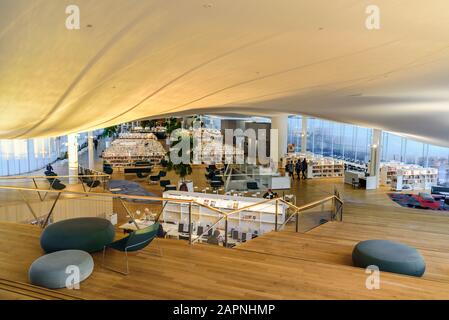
[(235, 235), (200, 230), (181, 227)]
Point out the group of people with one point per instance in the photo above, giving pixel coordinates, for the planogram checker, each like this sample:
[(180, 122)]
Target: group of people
[(300, 167)]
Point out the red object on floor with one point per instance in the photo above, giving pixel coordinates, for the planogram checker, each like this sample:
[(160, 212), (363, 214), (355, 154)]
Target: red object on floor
[(429, 204)]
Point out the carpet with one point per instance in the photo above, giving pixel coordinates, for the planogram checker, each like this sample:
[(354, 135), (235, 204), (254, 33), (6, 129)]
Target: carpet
[(132, 189), (417, 202)]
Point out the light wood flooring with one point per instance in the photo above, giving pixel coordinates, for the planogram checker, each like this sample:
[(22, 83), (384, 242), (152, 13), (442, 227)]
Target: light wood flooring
[(277, 265)]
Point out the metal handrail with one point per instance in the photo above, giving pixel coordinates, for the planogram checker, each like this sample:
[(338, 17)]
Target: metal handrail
[(54, 177), (109, 195), (225, 215), (277, 200)]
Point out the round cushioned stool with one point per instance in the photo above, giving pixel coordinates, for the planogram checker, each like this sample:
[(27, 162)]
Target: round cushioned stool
[(87, 234), (389, 256), (52, 270)]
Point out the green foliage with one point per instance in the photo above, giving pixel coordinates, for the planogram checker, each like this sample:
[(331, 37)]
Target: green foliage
[(109, 131), (148, 123), (171, 124), (181, 169)]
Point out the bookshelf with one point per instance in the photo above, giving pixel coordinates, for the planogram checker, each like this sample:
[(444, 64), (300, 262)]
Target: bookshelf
[(415, 178), (318, 166), (126, 151), (260, 218)]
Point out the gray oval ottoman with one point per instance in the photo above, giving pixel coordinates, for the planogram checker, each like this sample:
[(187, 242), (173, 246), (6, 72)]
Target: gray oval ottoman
[(53, 270), (389, 256), (87, 234)]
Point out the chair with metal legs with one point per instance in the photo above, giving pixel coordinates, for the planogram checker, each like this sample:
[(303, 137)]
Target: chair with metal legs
[(135, 241)]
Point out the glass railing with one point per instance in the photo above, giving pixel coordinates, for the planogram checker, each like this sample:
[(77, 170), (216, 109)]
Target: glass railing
[(187, 218)]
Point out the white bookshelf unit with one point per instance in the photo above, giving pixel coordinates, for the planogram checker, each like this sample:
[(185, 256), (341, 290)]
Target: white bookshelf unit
[(257, 220), (407, 177), (125, 151), (414, 179), (318, 166)]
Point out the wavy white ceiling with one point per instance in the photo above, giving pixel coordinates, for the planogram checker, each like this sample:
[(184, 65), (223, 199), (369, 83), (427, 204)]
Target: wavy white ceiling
[(143, 58)]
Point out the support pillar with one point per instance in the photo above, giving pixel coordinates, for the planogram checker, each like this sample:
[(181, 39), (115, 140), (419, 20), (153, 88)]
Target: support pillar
[(91, 150), (376, 151), (72, 151), (278, 137), (304, 134)]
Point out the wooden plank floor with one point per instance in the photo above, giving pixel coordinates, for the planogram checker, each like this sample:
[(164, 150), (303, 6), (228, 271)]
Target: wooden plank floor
[(283, 265), (313, 266)]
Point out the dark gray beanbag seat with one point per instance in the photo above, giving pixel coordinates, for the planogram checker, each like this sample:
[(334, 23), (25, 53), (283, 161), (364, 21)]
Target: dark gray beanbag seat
[(87, 234), (389, 256), (56, 270)]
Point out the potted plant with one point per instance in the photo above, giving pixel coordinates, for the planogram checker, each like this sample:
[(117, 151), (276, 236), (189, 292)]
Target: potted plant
[(181, 169)]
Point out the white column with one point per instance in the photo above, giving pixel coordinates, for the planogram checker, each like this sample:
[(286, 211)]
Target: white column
[(91, 150), (72, 150), (304, 134), (376, 151), (278, 137)]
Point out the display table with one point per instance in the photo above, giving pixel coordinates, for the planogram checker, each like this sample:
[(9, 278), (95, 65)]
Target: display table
[(368, 183), (353, 175)]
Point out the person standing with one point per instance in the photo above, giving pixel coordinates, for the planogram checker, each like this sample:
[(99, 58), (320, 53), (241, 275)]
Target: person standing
[(96, 143), (298, 167), (291, 170), (304, 168)]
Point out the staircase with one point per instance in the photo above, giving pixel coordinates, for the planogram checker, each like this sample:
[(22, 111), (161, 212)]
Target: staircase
[(14, 290)]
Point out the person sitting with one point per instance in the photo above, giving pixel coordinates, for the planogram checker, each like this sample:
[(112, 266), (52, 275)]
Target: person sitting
[(215, 238), (49, 168), (269, 194)]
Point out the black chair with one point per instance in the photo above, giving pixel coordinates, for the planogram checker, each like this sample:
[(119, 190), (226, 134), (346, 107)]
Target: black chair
[(170, 188), (90, 182), (58, 185), (141, 175), (252, 185), (164, 163), (164, 183), (355, 184), (211, 167), (55, 183), (135, 241), (107, 168), (213, 239), (154, 179), (93, 183), (216, 184)]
